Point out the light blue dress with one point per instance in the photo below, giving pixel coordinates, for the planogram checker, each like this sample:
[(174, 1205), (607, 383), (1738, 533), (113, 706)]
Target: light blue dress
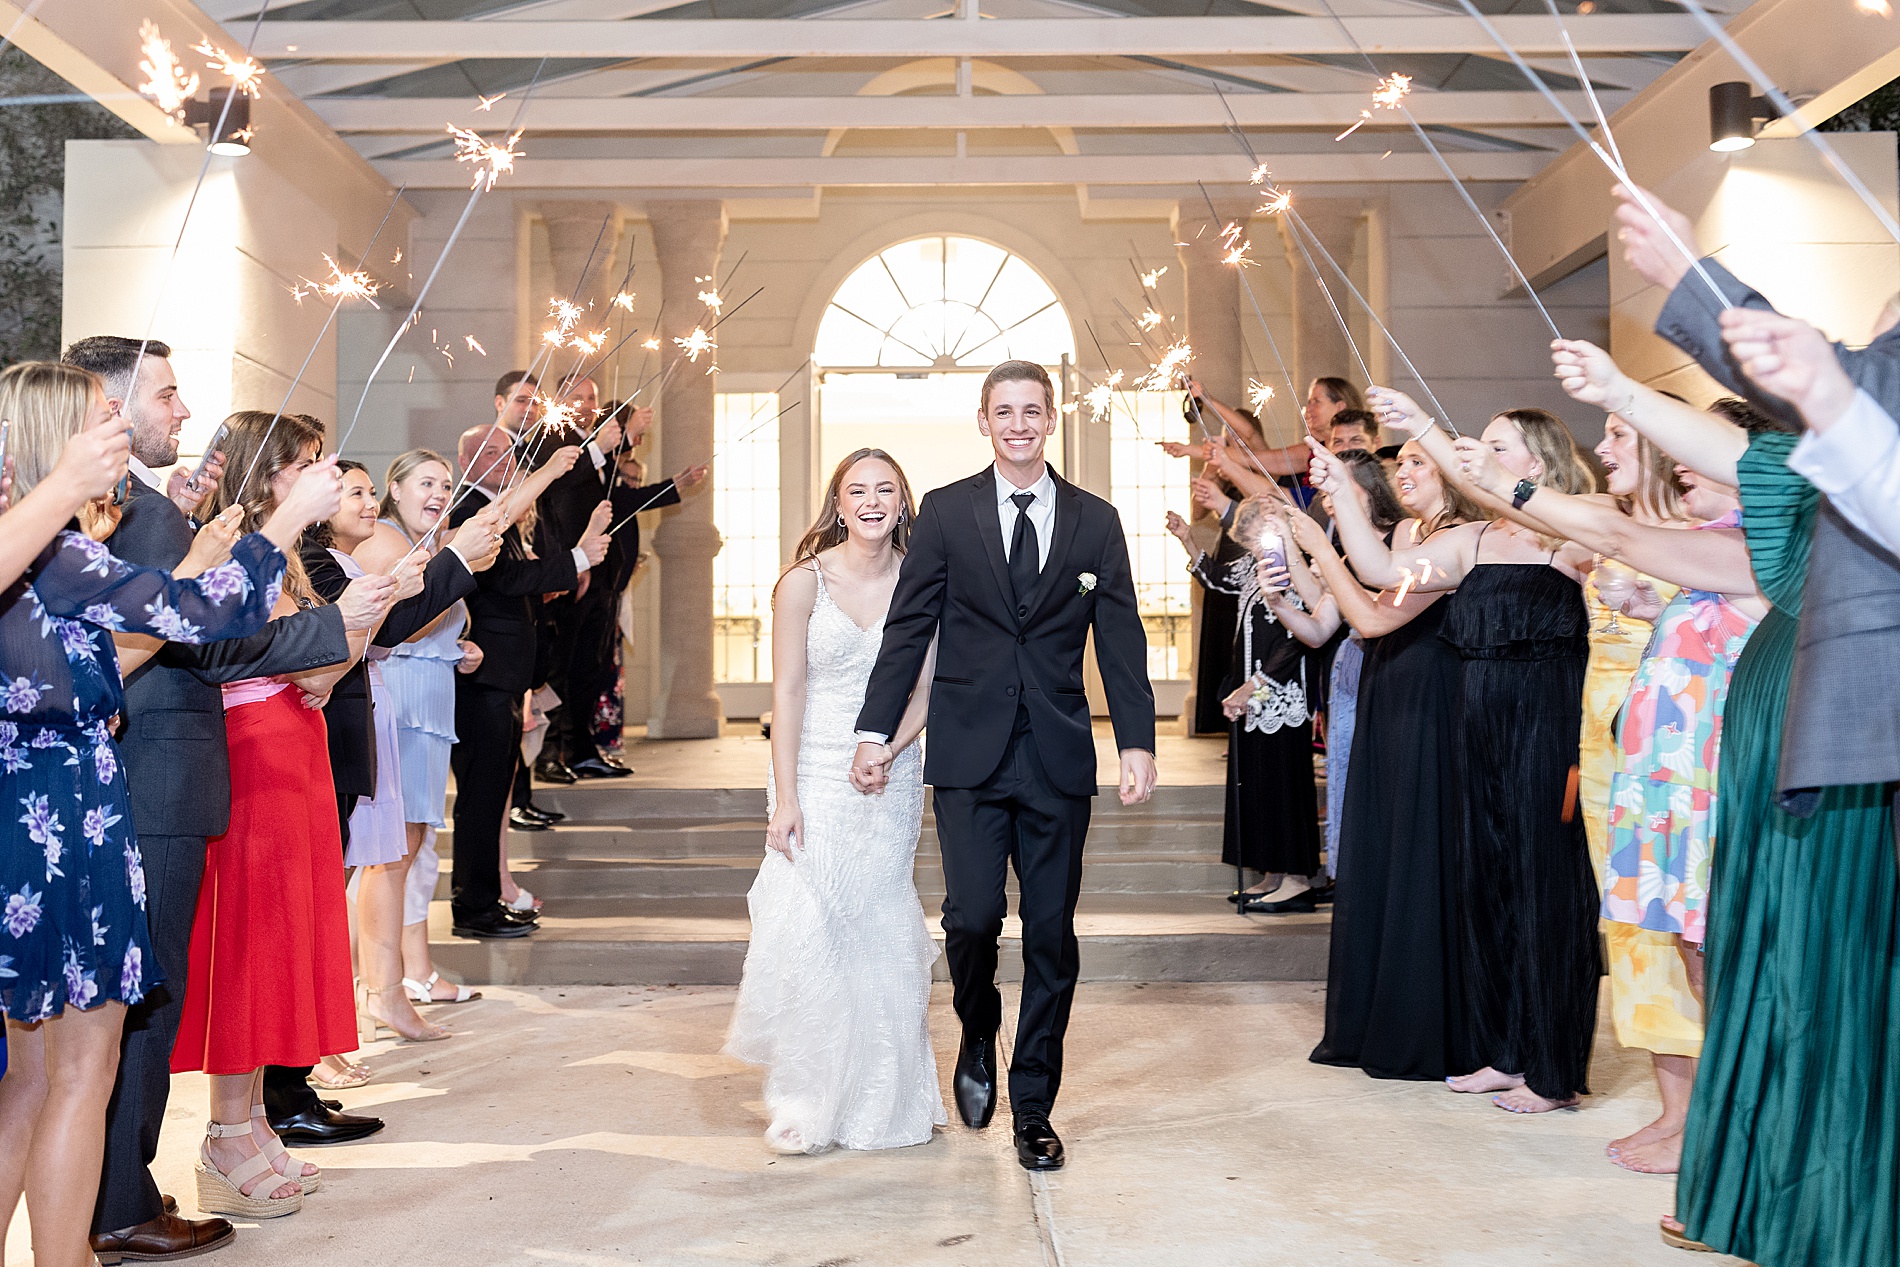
[(1341, 714), (420, 675)]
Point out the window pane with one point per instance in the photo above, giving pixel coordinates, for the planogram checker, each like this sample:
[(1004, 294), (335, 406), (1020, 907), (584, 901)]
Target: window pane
[(745, 508), (1145, 484)]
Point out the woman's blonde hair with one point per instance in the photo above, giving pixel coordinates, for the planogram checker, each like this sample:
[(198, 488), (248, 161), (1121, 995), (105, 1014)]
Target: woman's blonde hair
[(281, 441), (829, 529), (401, 469), (1555, 449), (1658, 492), (47, 403)]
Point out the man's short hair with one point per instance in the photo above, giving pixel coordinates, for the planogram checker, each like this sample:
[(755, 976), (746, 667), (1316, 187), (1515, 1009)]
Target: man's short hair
[(1019, 372), (506, 383), (1357, 418), (113, 358)]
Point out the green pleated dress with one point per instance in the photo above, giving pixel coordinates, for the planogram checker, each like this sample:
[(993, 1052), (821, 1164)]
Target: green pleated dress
[(1792, 1153)]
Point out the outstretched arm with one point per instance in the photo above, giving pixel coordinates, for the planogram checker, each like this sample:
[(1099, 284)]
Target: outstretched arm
[(1442, 557), (1706, 444), (1361, 608)]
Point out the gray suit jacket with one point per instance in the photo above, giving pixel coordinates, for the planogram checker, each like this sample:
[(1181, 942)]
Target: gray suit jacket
[(176, 766), (1843, 719)]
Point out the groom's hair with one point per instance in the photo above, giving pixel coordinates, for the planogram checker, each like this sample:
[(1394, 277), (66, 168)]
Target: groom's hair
[(1019, 372)]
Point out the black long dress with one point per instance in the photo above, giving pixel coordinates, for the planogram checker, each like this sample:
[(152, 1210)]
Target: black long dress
[(1527, 893), (1394, 1005), (1214, 653), (1272, 819)]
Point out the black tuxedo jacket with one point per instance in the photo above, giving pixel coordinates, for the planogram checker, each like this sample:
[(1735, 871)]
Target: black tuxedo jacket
[(623, 553), (177, 768), (1841, 724), (349, 716), (567, 503), (500, 616), (995, 653)]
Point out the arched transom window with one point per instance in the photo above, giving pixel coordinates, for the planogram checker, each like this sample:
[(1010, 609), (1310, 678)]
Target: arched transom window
[(942, 303)]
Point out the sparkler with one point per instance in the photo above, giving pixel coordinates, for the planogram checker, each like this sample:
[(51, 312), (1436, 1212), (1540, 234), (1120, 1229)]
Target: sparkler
[(167, 82), (1100, 398), (1259, 175), (488, 103), (1276, 203), (694, 344), (473, 346), (490, 160), (1173, 363), (245, 75), (623, 301), (1149, 279), (355, 284), (1259, 395), (1874, 8), (712, 300), (1389, 95), (1235, 247), (1149, 319), (1412, 581)]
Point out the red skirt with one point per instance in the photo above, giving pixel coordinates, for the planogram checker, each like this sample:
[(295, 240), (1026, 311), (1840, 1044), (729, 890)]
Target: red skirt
[(269, 981)]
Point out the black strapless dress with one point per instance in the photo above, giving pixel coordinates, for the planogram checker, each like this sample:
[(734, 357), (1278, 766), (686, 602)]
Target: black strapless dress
[(1394, 1006), (1522, 876)]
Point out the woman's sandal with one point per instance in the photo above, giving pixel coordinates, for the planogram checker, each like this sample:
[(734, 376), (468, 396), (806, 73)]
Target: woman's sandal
[(340, 1073), (280, 1158), (429, 1033), (1680, 1239), (424, 991), (222, 1192), (524, 902)]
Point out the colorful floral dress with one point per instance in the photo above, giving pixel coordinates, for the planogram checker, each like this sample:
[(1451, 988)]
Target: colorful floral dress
[(1662, 798), (72, 886)]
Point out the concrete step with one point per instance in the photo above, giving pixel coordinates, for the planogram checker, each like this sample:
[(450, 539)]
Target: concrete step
[(702, 941)]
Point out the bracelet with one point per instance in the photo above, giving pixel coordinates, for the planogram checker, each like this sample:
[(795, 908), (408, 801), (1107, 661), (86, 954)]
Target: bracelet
[(1627, 408)]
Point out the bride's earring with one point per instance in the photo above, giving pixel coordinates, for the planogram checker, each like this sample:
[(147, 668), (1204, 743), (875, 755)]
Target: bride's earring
[(841, 521)]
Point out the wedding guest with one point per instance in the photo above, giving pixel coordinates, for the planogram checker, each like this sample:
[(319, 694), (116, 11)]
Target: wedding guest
[(1528, 914), (1353, 430), (1803, 995), (1215, 505), (1326, 398), (77, 947), (1271, 821), (1394, 994), (488, 700), (273, 878), (1662, 798)]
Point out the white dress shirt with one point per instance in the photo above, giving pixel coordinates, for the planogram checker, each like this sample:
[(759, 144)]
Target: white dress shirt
[(1042, 512), (1856, 462), (146, 475)]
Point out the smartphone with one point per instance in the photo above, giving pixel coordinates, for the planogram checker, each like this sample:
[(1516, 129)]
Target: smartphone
[(1272, 550)]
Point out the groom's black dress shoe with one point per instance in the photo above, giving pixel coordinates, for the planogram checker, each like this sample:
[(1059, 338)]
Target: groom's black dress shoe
[(975, 1080), (320, 1125), (1037, 1146)]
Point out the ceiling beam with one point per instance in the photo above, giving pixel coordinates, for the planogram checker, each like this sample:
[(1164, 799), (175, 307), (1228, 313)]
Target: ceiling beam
[(726, 39), (1124, 112), (1182, 170)]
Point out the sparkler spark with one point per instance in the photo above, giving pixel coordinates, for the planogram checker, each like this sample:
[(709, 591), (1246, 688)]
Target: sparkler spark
[(1874, 8), (553, 338), (712, 300), (1101, 398), (488, 103), (243, 73), (623, 301), (1149, 320), (342, 285), (167, 83), (1260, 175), (1390, 95), (1273, 206), (1412, 580), (489, 159), (1149, 279), (695, 343), (1258, 395), (473, 346), (1161, 375), (1236, 246), (564, 313), (651, 345)]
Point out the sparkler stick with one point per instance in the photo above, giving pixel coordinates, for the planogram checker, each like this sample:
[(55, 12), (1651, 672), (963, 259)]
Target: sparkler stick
[(6, 41), (1788, 109)]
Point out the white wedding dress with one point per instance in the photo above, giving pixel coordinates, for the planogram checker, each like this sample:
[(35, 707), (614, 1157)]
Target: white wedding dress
[(836, 989)]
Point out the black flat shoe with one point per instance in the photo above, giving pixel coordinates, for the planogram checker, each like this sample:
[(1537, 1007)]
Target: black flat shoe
[(598, 768), (320, 1125), (551, 771), (521, 820), (529, 917), (1300, 903), (491, 926), (974, 1083), (1037, 1145), (1322, 895), (1244, 895), (549, 816)]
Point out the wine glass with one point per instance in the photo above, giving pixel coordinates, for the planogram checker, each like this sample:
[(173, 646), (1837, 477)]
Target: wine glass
[(1616, 585)]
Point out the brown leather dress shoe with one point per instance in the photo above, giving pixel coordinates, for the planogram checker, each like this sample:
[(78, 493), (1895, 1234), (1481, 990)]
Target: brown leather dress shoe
[(163, 1239)]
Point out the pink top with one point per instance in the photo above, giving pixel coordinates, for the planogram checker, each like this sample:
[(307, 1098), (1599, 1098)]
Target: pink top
[(251, 690)]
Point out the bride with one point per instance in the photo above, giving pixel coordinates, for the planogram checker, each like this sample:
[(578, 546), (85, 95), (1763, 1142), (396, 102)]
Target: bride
[(837, 978)]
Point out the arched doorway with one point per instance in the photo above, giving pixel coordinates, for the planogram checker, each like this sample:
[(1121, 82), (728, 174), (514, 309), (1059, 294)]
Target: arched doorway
[(903, 345)]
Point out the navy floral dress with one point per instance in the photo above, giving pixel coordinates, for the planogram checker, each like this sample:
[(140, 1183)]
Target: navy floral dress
[(72, 887)]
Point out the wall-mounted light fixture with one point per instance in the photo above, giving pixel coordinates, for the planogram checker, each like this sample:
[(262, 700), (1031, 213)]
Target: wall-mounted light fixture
[(233, 138), (1733, 110)]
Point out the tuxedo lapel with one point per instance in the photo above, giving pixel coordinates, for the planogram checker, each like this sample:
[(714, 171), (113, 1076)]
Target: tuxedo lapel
[(1068, 510), (989, 531)]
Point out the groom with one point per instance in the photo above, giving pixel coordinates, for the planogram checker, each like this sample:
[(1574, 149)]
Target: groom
[(1010, 569)]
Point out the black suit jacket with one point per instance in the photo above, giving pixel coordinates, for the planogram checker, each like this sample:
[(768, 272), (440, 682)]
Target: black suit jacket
[(623, 552), (177, 768), (501, 619), (349, 716), (1841, 725), (565, 506), (994, 654)]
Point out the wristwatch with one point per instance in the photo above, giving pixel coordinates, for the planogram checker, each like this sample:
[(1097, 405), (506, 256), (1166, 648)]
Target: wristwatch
[(1522, 493)]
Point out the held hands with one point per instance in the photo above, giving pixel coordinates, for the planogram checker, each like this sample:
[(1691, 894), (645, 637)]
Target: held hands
[(1646, 240), (188, 489), (871, 767), (786, 831), (1588, 374), (1791, 359), (365, 601), (471, 656), (1138, 776), (594, 541), (1397, 410), (1480, 466), (212, 545)]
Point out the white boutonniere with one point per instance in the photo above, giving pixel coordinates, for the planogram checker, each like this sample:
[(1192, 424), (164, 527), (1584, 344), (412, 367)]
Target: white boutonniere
[(1087, 580)]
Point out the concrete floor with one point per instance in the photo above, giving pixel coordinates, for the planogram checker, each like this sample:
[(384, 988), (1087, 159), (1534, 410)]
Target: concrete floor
[(599, 1125)]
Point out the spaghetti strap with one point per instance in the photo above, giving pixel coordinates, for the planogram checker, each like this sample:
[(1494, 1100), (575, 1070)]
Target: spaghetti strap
[(1478, 546)]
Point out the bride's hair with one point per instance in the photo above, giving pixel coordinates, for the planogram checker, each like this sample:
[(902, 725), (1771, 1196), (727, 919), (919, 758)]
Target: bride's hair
[(830, 531)]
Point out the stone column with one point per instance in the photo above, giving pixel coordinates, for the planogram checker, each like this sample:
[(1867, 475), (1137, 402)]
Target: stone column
[(686, 239), (573, 230), (1213, 329), (1320, 348)]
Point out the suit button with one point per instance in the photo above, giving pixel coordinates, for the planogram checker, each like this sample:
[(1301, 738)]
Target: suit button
[(1010, 692), (1023, 610), (1022, 640)]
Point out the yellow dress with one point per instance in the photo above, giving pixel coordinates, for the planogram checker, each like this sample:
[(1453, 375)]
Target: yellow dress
[(1650, 1000)]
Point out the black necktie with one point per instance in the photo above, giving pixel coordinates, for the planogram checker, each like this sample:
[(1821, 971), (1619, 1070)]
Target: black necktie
[(1024, 566)]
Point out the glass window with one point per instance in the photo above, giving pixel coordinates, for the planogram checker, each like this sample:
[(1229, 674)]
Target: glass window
[(1145, 484), (745, 508)]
